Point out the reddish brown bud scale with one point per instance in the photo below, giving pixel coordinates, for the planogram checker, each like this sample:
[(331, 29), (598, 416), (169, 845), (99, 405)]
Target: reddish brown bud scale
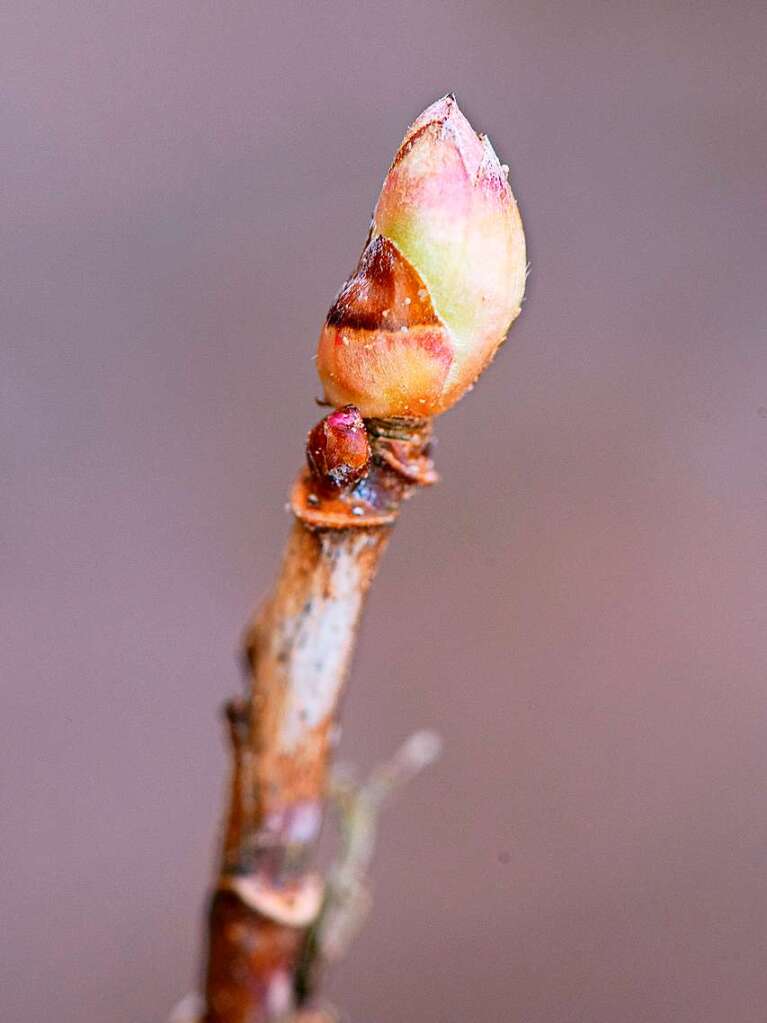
[(382, 336), (338, 448)]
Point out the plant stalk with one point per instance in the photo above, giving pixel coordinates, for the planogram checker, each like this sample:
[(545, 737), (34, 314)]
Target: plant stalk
[(298, 649)]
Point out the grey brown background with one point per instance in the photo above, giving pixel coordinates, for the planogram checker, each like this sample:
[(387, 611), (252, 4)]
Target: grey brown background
[(579, 608)]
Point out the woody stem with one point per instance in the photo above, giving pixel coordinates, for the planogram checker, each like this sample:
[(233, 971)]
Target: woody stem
[(299, 650)]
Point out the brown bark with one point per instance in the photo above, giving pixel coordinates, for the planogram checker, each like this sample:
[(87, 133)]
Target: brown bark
[(299, 648)]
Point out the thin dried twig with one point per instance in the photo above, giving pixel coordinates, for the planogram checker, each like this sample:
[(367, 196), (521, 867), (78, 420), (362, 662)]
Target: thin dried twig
[(348, 897)]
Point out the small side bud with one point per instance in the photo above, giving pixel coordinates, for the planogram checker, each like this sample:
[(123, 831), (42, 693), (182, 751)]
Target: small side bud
[(338, 448)]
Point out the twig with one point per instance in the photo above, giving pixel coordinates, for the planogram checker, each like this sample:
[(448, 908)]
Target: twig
[(299, 648), (439, 282), (347, 895)]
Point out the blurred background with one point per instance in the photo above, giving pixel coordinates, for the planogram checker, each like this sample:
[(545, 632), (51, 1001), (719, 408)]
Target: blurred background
[(579, 608)]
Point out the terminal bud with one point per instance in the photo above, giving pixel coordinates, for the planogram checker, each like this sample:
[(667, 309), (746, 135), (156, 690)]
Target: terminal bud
[(439, 282)]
